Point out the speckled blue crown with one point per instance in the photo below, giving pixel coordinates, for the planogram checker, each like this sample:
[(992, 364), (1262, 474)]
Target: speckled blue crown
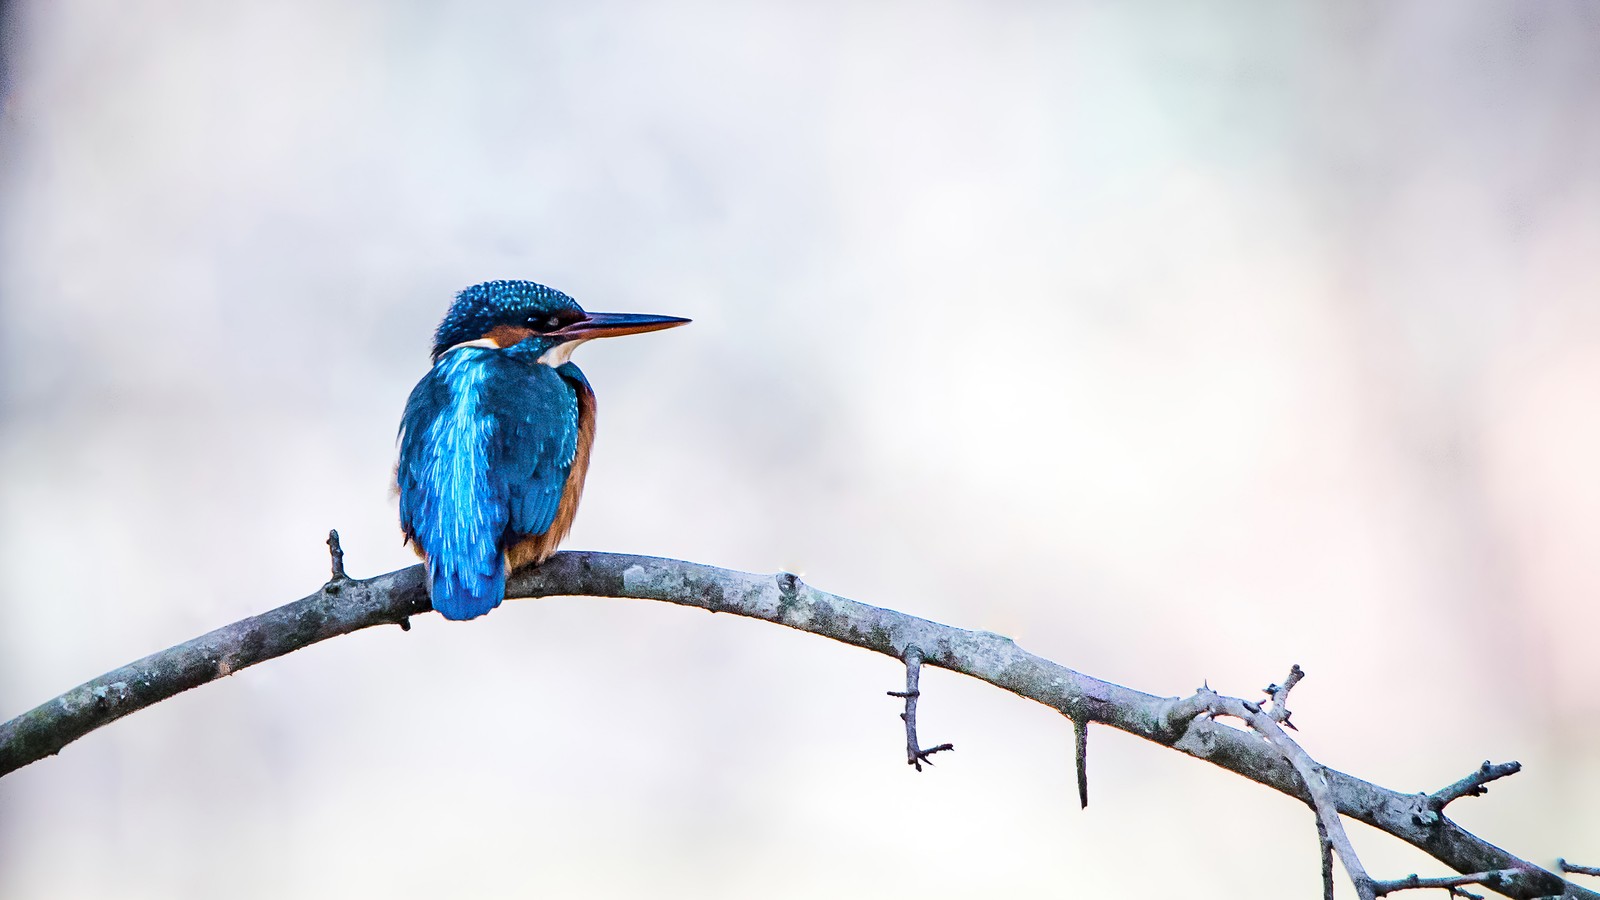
[(483, 306)]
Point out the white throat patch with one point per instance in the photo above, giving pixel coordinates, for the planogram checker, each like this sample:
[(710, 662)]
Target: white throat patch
[(480, 342), (560, 353)]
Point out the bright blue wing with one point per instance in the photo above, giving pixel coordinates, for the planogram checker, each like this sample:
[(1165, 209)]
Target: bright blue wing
[(539, 416), (485, 446)]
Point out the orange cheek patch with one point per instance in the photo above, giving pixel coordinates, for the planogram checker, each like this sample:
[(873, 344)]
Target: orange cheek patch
[(508, 335)]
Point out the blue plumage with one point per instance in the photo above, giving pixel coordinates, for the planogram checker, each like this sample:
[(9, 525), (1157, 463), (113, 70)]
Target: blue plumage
[(494, 440), (486, 445)]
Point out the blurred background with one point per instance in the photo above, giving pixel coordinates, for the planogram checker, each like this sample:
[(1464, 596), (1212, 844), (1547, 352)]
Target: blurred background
[(1177, 341)]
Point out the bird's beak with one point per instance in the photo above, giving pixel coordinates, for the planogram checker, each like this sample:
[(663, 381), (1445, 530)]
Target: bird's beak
[(601, 325)]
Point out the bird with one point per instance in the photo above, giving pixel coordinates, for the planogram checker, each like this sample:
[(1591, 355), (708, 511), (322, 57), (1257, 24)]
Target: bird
[(495, 438)]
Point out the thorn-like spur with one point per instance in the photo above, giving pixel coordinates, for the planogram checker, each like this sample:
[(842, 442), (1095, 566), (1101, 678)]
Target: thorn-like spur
[(1080, 759), (916, 754), (336, 555)]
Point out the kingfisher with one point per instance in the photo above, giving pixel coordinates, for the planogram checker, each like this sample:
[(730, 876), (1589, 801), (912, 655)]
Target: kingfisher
[(495, 439)]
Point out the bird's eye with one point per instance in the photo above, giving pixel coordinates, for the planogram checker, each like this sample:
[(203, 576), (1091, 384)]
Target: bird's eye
[(550, 323)]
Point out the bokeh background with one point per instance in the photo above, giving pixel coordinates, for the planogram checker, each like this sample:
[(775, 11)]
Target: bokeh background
[(1178, 341)]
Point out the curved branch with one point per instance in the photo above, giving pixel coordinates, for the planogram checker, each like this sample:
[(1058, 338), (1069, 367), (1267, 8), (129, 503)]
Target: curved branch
[(343, 606)]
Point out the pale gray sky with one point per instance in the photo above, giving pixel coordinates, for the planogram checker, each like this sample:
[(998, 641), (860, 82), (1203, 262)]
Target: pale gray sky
[(1178, 341)]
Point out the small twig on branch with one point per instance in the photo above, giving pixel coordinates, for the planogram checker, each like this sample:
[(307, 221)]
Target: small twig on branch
[(1577, 869), (1278, 695), (1473, 785), (336, 554), (340, 579), (1080, 759), (915, 754), (1452, 883)]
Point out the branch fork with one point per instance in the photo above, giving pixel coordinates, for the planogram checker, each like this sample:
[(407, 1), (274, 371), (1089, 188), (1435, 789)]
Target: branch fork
[(1267, 722)]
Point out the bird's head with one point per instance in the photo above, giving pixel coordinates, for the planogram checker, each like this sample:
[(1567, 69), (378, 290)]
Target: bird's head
[(549, 323)]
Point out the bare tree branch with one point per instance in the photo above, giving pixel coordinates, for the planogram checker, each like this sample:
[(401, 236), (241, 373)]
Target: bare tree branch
[(343, 607)]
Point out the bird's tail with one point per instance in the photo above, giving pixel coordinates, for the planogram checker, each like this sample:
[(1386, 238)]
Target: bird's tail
[(467, 595)]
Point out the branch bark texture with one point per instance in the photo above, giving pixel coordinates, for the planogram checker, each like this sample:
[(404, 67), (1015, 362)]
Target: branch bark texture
[(344, 605)]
